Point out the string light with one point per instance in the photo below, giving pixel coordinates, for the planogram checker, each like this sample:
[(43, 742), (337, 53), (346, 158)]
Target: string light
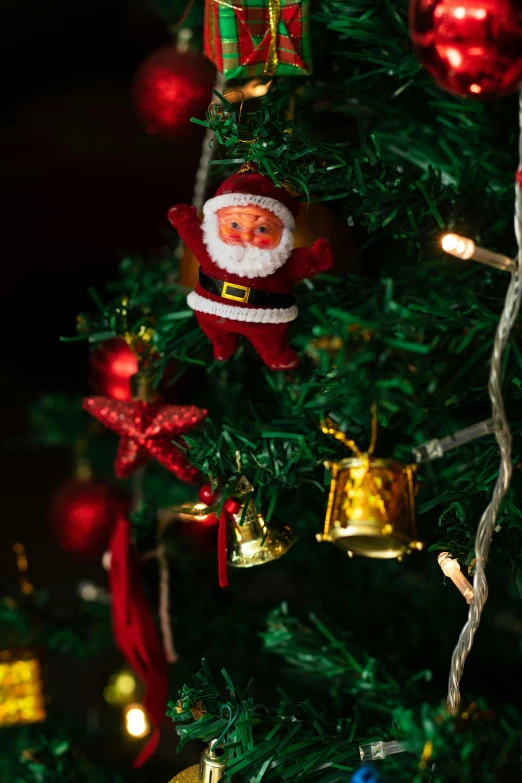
[(374, 751), (255, 88), (465, 248), (451, 569), (488, 522), (436, 448), (136, 721)]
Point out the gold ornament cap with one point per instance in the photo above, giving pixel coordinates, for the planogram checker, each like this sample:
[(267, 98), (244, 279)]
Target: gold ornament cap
[(210, 769)]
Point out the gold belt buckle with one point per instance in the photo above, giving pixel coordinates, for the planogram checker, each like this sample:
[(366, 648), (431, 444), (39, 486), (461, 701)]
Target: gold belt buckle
[(235, 287)]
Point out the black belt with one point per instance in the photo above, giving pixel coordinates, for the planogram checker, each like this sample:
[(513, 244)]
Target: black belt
[(241, 293)]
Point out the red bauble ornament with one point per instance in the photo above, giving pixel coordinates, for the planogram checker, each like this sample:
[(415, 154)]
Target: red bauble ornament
[(170, 87), (471, 47), (111, 366), (82, 514)]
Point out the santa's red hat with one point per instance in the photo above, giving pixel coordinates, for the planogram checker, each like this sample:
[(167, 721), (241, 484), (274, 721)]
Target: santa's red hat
[(244, 189)]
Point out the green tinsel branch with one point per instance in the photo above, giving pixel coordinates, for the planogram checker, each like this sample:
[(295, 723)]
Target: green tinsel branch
[(299, 742)]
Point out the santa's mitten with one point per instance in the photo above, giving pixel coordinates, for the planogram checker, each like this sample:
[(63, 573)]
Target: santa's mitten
[(322, 251), (181, 216)]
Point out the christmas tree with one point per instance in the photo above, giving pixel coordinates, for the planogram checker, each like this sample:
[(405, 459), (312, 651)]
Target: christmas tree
[(293, 458)]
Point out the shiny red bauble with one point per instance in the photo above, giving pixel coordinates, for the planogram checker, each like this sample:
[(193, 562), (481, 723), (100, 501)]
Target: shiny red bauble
[(471, 47), (111, 366), (170, 87), (82, 515)]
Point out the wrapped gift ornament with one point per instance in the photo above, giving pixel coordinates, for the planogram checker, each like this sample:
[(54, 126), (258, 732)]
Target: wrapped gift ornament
[(258, 37), (22, 699)]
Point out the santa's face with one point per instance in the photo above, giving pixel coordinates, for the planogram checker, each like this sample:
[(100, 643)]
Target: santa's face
[(247, 240), (251, 225)]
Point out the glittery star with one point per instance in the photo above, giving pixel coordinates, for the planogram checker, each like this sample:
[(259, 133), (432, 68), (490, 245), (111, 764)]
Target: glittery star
[(147, 430)]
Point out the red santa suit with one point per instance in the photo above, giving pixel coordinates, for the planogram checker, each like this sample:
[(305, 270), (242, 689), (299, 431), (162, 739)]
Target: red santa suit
[(248, 291)]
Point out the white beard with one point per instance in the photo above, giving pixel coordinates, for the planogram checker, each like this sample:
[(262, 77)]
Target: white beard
[(245, 261)]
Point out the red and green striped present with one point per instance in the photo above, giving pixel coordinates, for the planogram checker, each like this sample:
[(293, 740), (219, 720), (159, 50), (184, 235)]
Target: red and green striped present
[(258, 37)]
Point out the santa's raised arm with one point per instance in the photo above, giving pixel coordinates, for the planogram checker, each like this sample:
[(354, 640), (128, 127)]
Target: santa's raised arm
[(245, 246)]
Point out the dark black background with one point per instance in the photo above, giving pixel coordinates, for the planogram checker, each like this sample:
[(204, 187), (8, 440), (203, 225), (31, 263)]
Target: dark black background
[(81, 183)]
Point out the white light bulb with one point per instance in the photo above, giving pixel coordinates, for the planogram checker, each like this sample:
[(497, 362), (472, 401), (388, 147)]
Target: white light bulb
[(136, 722)]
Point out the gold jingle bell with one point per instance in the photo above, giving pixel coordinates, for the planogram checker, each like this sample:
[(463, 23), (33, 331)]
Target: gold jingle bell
[(253, 542), (371, 508), (209, 770)]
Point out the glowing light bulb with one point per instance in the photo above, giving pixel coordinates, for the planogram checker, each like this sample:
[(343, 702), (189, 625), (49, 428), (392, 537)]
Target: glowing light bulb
[(465, 248), (136, 721), (252, 89), (200, 517)]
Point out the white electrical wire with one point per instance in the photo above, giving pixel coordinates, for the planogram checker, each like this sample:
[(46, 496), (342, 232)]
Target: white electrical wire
[(488, 521)]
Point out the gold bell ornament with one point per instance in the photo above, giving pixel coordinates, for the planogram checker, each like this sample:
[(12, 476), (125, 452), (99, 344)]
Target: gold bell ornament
[(244, 538), (210, 769), (254, 542), (371, 505)]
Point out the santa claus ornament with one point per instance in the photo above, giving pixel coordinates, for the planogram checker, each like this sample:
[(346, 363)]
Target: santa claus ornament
[(245, 246)]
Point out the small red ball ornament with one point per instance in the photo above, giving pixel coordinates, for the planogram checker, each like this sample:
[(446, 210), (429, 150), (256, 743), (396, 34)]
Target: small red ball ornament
[(471, 47), (207, 496), (82, 514), (170, 87), (111, 366)]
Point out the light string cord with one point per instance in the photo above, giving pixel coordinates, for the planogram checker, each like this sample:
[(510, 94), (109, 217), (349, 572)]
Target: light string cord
[(488, 521), (164, 606)]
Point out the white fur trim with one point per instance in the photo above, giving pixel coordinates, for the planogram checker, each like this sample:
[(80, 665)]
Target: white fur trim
[(245, 200), (241, 260), (258, 315)]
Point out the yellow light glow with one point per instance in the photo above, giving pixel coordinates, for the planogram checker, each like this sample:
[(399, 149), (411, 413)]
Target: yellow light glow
[(201, 506), (475, 88), (136, 721), (252, 89), (111, 695), (125, 683)]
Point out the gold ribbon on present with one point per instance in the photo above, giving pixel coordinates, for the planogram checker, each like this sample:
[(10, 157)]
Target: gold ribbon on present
[(274, 15), (328, 429)]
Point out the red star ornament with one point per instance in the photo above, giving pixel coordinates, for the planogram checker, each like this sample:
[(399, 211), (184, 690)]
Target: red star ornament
[(147, 430)]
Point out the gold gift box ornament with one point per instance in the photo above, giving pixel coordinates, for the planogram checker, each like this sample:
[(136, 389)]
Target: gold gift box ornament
[(371, 505), (22, 698)]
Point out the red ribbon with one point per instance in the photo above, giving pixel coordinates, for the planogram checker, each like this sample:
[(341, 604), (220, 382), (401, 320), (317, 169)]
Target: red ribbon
[(230, 507), (135, 632), (222, 548)]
